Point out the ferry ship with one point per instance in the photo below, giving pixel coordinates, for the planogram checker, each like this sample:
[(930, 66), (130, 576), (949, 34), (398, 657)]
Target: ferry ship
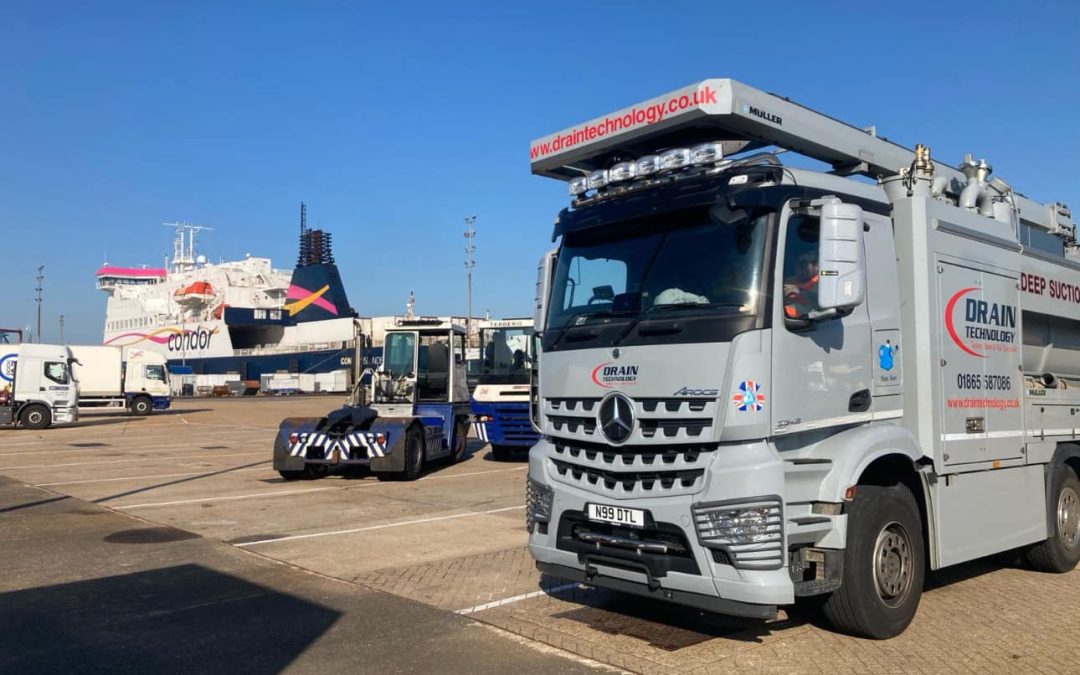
[(241, 317)]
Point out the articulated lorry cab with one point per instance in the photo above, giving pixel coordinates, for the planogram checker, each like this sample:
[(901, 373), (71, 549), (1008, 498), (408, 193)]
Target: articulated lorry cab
[(36, 387), (500, 402), (418, 412), (761, 382), (121, 377)]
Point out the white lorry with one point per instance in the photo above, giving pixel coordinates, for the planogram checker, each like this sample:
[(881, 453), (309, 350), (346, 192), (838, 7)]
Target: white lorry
[(121, 377), (762, 382), (36, 387)]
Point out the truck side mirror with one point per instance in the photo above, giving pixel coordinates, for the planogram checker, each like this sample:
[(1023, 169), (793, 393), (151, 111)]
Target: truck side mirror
[(544, 271), (841, 265)]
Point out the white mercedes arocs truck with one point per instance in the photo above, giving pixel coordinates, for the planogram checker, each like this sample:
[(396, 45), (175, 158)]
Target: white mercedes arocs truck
[(36, 387), (121, 377), (763, 382)]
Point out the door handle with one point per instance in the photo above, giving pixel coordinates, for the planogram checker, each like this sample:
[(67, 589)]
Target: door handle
[(41, 388), (859, 401)]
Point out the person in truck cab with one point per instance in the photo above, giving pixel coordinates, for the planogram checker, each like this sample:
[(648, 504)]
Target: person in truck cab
[(800, 289)]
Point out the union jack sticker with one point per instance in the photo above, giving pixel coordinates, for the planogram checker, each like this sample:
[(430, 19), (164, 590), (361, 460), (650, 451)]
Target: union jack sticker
[(749, 397)]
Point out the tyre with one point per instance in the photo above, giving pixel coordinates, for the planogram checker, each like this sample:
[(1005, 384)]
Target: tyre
[(141, 406), (414, 457), (884, 565), (461, 441), (35, 417), (1061, 550), (501, 453), (309, 472)]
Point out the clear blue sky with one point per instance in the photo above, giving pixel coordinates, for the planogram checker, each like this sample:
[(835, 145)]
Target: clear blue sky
[(394, 120)]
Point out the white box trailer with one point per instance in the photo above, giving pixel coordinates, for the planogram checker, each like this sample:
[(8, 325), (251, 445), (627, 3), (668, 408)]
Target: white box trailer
[(36, 387), (121, 378)]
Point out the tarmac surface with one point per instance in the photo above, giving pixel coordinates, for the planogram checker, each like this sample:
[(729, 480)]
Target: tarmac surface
[(169, 543)]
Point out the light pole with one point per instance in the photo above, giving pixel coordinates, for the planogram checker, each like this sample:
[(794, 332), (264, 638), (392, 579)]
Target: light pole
[(61, 329), (470, 248), (40, 278)]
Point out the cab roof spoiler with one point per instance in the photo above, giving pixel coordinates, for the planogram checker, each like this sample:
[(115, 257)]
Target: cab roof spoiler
[(742, 119)]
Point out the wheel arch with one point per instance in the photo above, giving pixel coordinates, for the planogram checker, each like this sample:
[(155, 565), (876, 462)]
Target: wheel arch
[(881, 455)]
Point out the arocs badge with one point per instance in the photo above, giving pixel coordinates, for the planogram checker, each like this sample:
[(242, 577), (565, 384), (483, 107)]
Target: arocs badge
[(749, 397)]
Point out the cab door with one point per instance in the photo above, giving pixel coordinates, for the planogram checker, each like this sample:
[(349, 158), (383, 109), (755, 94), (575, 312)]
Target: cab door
[(821, 369)]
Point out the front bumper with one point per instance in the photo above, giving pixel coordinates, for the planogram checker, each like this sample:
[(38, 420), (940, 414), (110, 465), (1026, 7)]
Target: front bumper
[(694, 575)]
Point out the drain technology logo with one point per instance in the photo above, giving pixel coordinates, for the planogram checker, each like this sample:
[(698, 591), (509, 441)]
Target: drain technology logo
[(607, 375), (983, 326)]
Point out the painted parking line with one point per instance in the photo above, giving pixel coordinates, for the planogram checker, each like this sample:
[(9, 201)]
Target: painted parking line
[(131, 460), (371, 528), (516, 598), (114, 447), (257, 495), (160, 475), (279, 493)]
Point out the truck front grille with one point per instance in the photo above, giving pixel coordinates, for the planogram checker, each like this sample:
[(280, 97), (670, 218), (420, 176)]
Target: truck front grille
[(670, 420), (631, 470)]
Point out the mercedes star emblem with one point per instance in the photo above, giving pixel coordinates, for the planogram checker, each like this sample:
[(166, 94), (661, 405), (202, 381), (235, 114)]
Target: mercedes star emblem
[(616, 417)]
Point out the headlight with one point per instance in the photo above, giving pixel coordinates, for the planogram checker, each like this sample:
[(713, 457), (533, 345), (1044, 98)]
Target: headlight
[(538, 499), (722, 526)]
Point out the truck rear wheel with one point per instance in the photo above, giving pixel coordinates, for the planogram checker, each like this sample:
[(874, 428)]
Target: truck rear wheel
[(1060, 552), (141, 406), (414, 457), (35, 416), (461, 441), (884, 564)]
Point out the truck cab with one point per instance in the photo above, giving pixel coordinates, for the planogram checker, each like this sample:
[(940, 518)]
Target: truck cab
[(413, 409), (500, 402), (762, 382), (37, 388)]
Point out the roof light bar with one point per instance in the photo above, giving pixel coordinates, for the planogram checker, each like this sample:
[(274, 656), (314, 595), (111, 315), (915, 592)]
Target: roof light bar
[(579, 186), (622, 171), (598, 179), (676, 158), (706, 153), (648, 165)]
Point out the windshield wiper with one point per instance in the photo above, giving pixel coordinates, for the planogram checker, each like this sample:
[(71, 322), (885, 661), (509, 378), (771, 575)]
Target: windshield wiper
[(578, 321), (657, 309)]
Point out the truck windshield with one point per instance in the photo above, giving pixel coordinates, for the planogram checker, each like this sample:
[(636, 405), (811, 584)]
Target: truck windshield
[(689, 266), (155, 373), (505, 355), (399, 353)]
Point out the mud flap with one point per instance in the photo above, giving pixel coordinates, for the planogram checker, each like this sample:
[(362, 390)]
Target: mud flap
[(394, 429), (290, 425)]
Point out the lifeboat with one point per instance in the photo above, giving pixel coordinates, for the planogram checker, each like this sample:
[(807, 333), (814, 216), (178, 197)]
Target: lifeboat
[(198, 293)]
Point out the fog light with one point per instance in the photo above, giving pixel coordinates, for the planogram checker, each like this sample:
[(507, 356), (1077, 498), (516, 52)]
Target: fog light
[(538, 498), (294, 438)]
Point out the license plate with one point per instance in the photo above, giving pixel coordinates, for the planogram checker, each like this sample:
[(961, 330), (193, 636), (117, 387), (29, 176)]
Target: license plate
[(617, 515)]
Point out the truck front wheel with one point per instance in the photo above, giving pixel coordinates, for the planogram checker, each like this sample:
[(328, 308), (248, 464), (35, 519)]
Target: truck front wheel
[(141, 406), (884, 564), (1060, 552), (35, 417)]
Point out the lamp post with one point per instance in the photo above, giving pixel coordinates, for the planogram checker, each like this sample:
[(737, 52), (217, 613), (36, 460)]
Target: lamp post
[(470, 248)]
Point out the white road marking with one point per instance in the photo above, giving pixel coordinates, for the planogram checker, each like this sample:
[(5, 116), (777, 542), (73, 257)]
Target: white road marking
[(110, 447), (131, 460), (289, 492), (160, 475), (384, 526), (279, 493), (515, 598)]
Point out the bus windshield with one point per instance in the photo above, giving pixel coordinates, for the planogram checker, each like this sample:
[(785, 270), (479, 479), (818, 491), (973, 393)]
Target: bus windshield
[(506, 355)]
